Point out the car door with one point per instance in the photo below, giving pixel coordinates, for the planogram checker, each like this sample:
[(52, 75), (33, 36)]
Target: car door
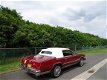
[(75, 56), (68, 57)]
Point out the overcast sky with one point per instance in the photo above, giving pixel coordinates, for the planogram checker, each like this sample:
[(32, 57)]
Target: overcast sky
[(85, 16)]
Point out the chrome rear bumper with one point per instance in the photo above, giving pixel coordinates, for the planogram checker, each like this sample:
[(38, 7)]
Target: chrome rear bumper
[(33, 71), (30, 70)]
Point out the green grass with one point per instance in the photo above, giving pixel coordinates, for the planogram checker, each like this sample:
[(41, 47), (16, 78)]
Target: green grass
[(11, 66), (94, 51)]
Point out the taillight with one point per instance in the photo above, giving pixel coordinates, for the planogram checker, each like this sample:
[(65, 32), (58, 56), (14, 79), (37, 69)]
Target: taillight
[(25, 61)]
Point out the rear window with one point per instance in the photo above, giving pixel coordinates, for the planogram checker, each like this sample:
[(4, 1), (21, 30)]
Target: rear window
[(46, 52)]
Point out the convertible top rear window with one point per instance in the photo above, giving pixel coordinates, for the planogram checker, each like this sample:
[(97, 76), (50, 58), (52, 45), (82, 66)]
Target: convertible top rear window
[(46, 52)]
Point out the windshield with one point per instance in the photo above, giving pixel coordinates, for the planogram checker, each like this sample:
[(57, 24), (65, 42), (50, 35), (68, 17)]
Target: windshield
[(46, 52)]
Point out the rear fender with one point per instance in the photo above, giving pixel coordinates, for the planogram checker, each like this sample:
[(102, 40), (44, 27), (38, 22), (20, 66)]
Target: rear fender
[(59, 63)]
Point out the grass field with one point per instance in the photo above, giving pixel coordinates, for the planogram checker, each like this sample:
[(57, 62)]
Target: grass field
[(10, 66), (94, 51), (14, 64)]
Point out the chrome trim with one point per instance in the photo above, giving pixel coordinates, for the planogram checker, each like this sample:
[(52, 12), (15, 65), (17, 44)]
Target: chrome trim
[(71, 61), (33, 71), (69, 65), (36, 72), (45, 72)]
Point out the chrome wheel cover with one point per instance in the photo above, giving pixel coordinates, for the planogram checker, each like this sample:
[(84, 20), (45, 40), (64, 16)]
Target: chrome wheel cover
[(57, 71), (81, 62)]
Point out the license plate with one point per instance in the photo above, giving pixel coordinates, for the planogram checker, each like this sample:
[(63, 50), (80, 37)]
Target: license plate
[(29, 65)]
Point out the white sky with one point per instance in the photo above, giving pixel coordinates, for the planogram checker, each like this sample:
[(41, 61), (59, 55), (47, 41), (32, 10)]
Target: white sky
[(85, 16)]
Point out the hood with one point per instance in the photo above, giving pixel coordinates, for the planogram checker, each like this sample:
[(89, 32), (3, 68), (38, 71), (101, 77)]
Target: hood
[(41, 58)]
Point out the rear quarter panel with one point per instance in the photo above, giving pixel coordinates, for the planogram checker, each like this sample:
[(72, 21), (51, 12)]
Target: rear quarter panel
[(48, 65)]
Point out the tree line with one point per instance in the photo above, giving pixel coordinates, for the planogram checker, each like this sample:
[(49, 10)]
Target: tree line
[(17, 32)]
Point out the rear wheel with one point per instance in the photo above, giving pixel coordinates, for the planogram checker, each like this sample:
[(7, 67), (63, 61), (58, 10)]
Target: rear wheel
[(56, 71)]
